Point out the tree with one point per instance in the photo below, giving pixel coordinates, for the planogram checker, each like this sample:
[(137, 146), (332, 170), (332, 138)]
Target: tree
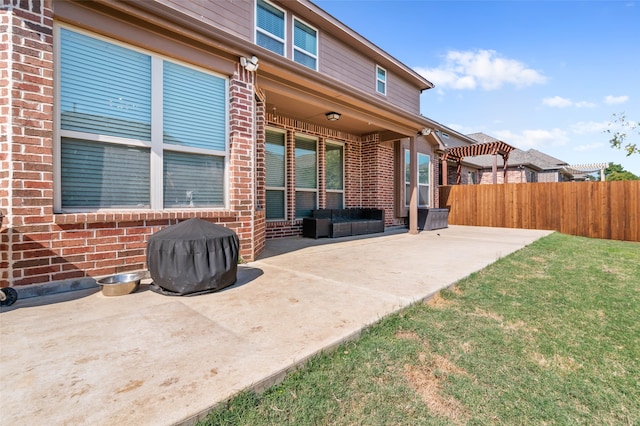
[(617, 172), (618, 137)]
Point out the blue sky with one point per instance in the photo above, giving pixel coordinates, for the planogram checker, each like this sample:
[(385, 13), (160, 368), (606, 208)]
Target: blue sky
[(547, 75)]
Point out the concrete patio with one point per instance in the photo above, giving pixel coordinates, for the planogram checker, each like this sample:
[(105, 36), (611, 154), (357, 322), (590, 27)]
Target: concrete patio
[(146, 359)]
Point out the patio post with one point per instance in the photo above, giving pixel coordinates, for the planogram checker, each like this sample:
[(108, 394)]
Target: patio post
[(494, 169), (445, 172), (413, 186)]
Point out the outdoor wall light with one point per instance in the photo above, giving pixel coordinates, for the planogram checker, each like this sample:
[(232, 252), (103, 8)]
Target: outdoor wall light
[(424, 132), (333, 116), (249, 64)]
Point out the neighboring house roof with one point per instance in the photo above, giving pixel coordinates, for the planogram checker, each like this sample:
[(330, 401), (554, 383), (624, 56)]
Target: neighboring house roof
[(482, 138), (533, 158), (452, 138)]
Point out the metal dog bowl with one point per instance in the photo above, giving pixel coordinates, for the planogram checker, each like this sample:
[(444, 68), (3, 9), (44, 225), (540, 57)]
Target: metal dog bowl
[(118, 285)]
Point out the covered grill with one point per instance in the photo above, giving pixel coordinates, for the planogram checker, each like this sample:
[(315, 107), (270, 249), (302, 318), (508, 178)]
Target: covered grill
[(192, 257)]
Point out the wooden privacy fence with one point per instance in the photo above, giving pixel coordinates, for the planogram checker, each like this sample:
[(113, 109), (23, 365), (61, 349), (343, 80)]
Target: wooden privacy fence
[(609, 210)]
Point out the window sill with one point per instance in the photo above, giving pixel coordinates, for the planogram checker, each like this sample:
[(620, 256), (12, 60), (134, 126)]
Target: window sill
[(140, 215)]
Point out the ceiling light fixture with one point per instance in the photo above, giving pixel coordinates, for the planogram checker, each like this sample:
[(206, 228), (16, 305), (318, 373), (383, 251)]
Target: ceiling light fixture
[(333, 116)]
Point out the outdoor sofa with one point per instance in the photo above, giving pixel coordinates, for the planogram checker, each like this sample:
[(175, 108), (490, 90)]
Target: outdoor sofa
[(430, 219), (343, 222)]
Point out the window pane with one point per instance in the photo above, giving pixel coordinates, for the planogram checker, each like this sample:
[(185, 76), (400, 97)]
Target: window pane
[(407, 164), (192, 180), (270, 43), (275, 159), (101, 175), (275, 204), (306, 161), (382, 74), (423, 169), (335, 200), (335, 172), (423, 195), (104, 88), (407, 194), (270, 19), (305, 202), (304, 59), (381, 87), (304, 37), (194, 108)]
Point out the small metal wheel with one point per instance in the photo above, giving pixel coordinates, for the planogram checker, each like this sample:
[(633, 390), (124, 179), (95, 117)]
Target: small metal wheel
[(10, 295)]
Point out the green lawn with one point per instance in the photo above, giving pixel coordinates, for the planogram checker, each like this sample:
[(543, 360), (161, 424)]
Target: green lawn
[(547, 335)]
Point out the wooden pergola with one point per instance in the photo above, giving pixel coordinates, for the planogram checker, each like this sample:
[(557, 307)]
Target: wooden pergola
[(490, 148)]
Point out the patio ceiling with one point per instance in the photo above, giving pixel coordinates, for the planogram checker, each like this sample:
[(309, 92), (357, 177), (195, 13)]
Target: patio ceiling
[(296, 92)]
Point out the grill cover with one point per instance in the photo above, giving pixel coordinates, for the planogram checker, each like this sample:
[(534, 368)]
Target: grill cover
[(192, 257)]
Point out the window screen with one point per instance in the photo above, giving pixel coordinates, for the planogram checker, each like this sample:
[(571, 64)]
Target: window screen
[(104, 88), (194, 108), (270, 27), (98, 175), (275, 179), (305, 41)]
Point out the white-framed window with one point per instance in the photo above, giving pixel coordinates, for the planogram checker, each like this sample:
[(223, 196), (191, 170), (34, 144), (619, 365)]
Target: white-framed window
[(305, 44), (306, 161), (334, 175), (424, 178), (381, 80), (270, 27), (135, 130), (276, 165)]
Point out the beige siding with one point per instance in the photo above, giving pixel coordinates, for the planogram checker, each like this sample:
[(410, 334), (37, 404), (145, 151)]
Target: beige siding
[(235, 17), (548, 177), (352, 67), (335, 58), (452, 141)]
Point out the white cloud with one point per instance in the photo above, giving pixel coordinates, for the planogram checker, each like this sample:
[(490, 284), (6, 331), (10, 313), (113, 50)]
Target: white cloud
[(557, 102), (584, 127), (613, 100), (484, 69), (585, 104), (536, 138), (588, 147), (560, 102)]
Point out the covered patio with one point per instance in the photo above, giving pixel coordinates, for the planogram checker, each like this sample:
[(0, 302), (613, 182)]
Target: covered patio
[(103, 358)]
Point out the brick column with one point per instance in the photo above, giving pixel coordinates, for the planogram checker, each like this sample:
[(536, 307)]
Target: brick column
[(260, 177), (242, 167), (26, 139)]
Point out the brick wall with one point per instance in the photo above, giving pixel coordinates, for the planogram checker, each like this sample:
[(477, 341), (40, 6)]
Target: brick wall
[(353, 173), (242, 195), (6, 18), (378, 177), (26, 148), (38, 246), (514, 175), (452, 174), (259, 223), (353, 166)]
